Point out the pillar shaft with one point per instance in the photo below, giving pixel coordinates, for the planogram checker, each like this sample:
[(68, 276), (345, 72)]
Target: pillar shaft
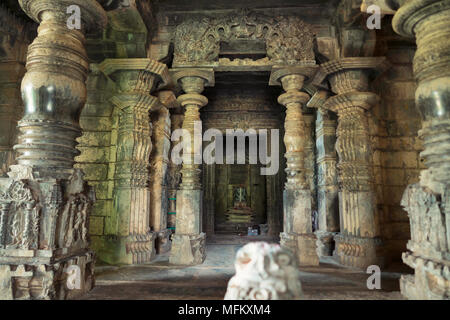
[(174, 175), (135, 80), (188, 246), (428, 202), (45, 205), (327, 193), (357, 244), (297, 232), (159, 164)]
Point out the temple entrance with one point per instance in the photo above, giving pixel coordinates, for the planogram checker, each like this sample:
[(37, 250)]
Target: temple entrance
[(240, 197), (237, 196)]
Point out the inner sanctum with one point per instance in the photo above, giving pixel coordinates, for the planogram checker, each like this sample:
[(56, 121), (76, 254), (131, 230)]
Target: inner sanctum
[(144, 143)]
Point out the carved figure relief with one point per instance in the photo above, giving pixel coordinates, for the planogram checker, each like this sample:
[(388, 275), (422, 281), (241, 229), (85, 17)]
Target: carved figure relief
[(288, 39)]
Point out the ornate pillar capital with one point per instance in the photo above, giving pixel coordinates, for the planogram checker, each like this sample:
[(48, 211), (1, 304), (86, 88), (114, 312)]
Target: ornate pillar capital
[(92, 14), (352, 74)]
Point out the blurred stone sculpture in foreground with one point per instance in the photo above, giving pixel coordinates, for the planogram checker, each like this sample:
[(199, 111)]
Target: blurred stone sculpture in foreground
[(264, 272)]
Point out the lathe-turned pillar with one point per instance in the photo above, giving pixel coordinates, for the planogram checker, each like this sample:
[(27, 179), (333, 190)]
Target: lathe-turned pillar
[(188, 244), (428, 202), (135, 80), (297, 233), (357, 244), (45, 205)]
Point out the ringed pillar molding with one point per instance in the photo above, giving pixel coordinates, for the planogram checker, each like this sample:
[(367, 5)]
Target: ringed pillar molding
[(297, 232), (174, 174), (45, 204), (159, 164), (188, 242), (358, 244), (327, 185), (428, 202), (135, 79)]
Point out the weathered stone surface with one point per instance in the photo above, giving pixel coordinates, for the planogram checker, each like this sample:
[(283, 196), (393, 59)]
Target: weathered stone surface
[(264, 272), (297, 232), (428, 202), (188, 242)]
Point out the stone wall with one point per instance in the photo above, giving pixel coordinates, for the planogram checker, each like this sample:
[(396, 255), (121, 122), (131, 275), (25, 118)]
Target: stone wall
[(15, 36), (97, 158), (394, 128)]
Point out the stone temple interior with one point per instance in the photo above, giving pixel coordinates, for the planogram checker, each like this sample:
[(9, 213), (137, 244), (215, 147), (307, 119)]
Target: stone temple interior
[(349, 98)]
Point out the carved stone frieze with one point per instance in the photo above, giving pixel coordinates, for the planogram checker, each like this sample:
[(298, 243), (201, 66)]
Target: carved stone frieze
[(288, 39)]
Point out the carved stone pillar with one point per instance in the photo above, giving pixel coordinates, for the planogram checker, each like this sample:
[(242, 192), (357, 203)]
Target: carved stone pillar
[(159, 162), (45, 205), (174, 174), (358, 244), (297, 235), (188, 246), (327, 193), (135, 80), (428, 202)]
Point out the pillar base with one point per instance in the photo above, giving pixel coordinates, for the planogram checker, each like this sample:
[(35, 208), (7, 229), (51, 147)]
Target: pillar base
[(137, 249), (36, 275), (303, 246), (325, 243), (188, 249), (358, 252), (431, 279), (163, 243), (430, 259)]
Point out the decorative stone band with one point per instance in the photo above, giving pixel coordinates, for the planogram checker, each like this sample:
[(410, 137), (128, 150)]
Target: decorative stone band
[(35, 280), (188, 249), (140, 246), (431, 280), (303, 246), (358, 251), (428, 21), (92, 14)]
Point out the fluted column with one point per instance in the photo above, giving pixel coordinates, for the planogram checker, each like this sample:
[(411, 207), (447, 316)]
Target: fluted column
[(357, 244), (188, 246), (428, 202), (297, 232), (135, 80), (45, 205)]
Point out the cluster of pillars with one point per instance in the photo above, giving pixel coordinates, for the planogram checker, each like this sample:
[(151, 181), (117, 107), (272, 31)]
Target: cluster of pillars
[(44, 187)]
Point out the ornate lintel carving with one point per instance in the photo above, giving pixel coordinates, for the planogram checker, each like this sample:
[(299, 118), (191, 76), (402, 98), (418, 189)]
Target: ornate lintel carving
[(288, 39)]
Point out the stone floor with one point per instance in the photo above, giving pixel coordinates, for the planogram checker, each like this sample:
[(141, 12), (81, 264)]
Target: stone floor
[(161, 281)]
